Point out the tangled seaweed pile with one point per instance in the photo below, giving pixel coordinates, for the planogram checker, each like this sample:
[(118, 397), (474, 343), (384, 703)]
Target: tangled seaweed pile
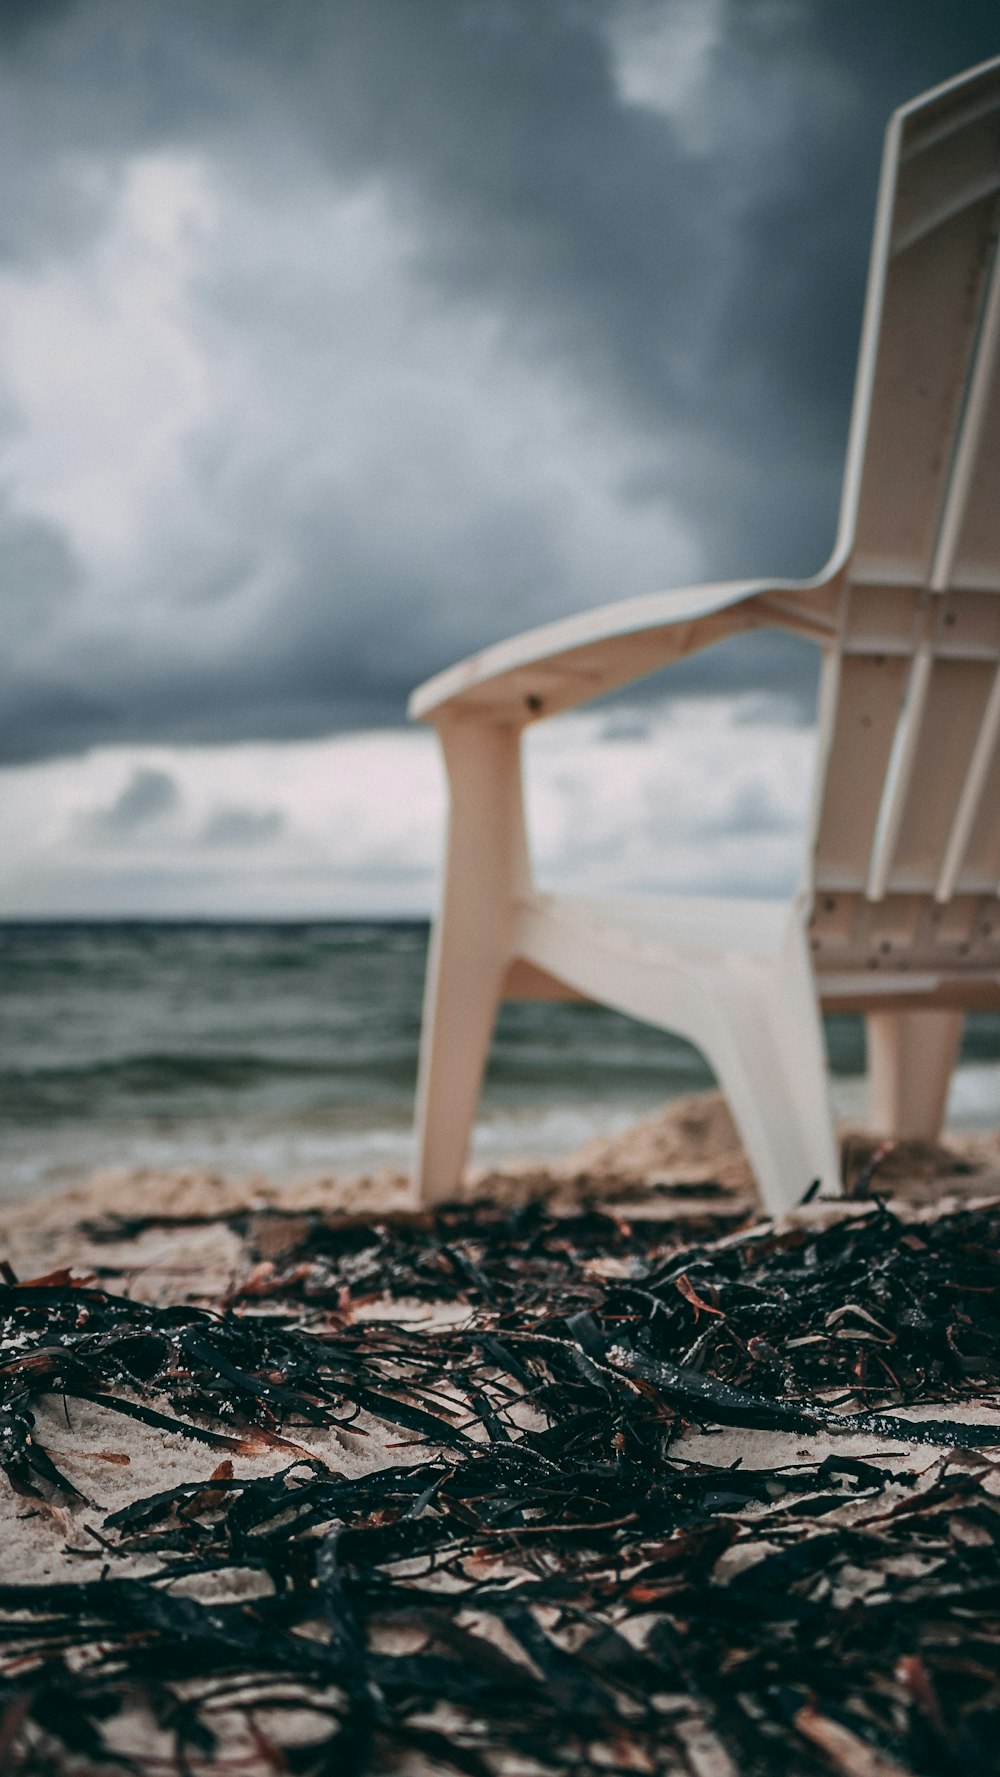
[(546, 1583)]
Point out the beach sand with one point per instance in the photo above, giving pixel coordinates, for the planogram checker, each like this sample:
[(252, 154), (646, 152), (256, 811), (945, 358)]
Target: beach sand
[(684, 1162), (190, 1243)]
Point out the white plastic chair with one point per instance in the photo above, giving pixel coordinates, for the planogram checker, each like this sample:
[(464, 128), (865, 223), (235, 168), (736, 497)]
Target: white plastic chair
[(898, 915)]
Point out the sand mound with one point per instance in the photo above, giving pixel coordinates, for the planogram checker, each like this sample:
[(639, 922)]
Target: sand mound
[(694, 1142), (690, 1142)]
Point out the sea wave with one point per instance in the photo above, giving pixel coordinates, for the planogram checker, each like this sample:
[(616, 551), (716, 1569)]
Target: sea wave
[(292, 1049)]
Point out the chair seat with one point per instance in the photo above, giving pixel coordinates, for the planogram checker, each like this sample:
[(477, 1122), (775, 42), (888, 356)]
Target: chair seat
[(715, 930), (702, 926)]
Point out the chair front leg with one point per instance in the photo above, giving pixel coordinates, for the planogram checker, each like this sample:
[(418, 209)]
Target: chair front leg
[(486, 868)]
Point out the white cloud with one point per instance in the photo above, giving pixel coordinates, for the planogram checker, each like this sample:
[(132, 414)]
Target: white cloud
[(689, 799), (103, 364), (340, 827), (662, 55)]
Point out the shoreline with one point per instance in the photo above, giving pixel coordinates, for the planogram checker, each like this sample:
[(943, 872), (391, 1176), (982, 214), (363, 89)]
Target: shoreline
[(295, 1150), (685, 1161)]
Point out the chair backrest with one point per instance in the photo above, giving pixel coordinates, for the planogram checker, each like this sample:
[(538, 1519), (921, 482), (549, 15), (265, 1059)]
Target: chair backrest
[(906, 835)]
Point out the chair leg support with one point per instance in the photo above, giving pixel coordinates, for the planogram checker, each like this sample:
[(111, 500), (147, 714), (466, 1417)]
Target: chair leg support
[(756, 1020), (911, 1056), (768, 1054)]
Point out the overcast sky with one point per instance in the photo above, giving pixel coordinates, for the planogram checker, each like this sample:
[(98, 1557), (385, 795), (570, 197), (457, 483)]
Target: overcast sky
[(340, 337)]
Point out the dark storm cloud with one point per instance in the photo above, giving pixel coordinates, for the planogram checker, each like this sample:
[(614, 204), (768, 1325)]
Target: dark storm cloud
[(21, 19), (147, 797), (681, 283), (39, 573)]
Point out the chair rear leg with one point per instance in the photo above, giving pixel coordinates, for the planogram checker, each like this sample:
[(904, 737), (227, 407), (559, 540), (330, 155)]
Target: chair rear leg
[(911, 1057)]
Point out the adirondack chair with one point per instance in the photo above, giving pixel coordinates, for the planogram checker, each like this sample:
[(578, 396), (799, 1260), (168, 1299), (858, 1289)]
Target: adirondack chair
[(898, 914)]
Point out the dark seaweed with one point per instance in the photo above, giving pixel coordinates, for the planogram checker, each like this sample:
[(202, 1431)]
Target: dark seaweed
[(929, 1320), (550, 1581)]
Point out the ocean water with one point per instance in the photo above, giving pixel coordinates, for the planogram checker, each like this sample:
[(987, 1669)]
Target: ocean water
[(291, 1050)]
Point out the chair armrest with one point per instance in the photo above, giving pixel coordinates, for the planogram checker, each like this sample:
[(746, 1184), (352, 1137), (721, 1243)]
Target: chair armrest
[(569, 662)]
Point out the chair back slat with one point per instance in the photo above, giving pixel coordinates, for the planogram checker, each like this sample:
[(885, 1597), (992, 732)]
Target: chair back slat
[(976, 559), (981, 862), (952, 718), (930, 324), (869, 699), (974, 815)]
